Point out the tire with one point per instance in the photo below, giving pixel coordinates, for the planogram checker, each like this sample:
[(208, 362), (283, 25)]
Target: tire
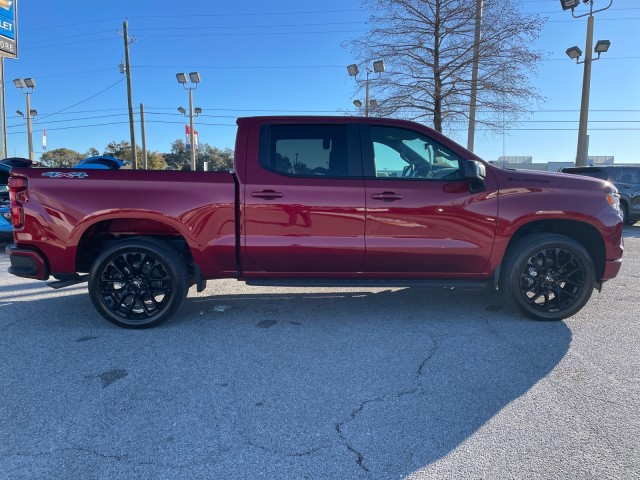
[(625, 215), (138, 283), (547, 276)]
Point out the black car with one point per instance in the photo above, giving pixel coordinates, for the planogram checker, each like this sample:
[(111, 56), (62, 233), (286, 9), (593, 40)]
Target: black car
[(626, 178)]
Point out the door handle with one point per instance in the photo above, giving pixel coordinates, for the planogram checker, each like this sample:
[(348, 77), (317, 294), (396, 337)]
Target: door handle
[(267, 194), (386, 196)]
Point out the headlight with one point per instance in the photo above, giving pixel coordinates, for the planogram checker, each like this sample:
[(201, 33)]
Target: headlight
[(614, 201), (6, 216)]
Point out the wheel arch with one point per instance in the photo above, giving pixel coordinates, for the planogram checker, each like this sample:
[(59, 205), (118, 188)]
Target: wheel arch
[(100, 234), (583, 233)]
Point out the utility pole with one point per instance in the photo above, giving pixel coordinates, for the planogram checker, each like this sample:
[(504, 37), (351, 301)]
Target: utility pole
[(144, 139), (474, 78), (3, 117), (132, 130)]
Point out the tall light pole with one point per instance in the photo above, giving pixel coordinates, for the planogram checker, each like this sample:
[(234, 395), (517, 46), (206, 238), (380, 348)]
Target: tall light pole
[(378, 67), (27, 85), (473, 100), (194, 78), (575, 53), (193, 112)]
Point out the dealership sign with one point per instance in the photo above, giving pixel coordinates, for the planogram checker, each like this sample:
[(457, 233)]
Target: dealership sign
[(8, 36)]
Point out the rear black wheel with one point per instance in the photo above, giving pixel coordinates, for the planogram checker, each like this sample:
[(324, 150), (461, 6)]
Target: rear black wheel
[(547, 276), (138, 283)]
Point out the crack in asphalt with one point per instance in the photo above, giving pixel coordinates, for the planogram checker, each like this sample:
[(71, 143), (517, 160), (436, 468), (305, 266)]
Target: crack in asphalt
[(303, 453), (360, 458)]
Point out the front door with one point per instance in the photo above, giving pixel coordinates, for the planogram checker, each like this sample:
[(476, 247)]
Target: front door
[(422, 218)]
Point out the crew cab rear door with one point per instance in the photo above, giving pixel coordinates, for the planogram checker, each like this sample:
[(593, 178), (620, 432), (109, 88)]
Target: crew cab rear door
[(304, 200), (422, 217)]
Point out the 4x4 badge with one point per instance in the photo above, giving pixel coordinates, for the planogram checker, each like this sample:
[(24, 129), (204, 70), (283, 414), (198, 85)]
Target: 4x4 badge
[(65, 174)]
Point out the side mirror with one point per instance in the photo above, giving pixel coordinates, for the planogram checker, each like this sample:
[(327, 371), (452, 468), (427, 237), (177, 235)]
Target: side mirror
[(475, 172)]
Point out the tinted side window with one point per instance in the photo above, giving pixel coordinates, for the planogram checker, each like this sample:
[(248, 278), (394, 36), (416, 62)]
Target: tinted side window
[(306, 150), (629, 175), (406, 154)]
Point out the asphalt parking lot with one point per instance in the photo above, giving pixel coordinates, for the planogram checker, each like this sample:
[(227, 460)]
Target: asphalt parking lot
[(258, 383)]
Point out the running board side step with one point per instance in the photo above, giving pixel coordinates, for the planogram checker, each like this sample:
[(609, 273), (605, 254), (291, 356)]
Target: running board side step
[(369, 283)]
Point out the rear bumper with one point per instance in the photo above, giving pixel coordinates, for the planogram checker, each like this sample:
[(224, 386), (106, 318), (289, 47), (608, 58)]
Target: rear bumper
[(27, 263)]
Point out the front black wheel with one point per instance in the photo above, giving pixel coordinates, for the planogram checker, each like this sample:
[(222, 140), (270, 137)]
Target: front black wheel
[(547, 276), (138, 283)]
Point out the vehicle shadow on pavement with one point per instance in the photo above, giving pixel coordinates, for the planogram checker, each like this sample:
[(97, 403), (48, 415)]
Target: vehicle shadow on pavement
[(272, 384), (401, 377)]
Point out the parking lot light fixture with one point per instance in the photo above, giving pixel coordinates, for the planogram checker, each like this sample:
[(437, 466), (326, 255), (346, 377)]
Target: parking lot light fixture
[(194, 78), (182, 110), (602, 46), (569, 4), (378, 67), (357, 103), (197, 111), (27, 85), (574, 53)]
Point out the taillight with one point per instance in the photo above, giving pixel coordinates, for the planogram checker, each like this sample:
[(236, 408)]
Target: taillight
[(17, 184), (17, 215), (17, 195)]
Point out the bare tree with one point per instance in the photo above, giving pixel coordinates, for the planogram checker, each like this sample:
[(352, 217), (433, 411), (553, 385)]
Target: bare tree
[(428, 47)]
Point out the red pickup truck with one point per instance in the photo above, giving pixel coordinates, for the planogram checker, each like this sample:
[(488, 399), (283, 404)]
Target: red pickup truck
[(318, 201)]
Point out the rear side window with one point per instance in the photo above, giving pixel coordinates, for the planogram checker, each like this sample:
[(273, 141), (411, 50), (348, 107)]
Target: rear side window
[(629, 175), (308, 150)]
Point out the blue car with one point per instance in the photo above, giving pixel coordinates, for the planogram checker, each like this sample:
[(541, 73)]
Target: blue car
[(6, 230), (101, 162)]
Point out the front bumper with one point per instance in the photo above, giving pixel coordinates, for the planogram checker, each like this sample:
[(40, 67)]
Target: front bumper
[(27, 263), (611, 269)]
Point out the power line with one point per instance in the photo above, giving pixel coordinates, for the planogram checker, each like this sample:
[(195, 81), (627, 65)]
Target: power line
[(69, 43), (242, 14), (247, 14), (630, 129), (47, 40), (39, 120), (236, 27)]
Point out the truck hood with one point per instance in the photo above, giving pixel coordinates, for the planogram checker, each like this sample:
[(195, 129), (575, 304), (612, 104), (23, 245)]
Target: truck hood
[(508, 178)]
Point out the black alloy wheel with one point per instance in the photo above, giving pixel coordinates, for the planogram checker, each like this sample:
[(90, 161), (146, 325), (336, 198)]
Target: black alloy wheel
[(547, 276), (138, 283)]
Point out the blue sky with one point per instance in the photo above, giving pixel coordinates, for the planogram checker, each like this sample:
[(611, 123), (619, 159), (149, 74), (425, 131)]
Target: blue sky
[(283, 57)]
